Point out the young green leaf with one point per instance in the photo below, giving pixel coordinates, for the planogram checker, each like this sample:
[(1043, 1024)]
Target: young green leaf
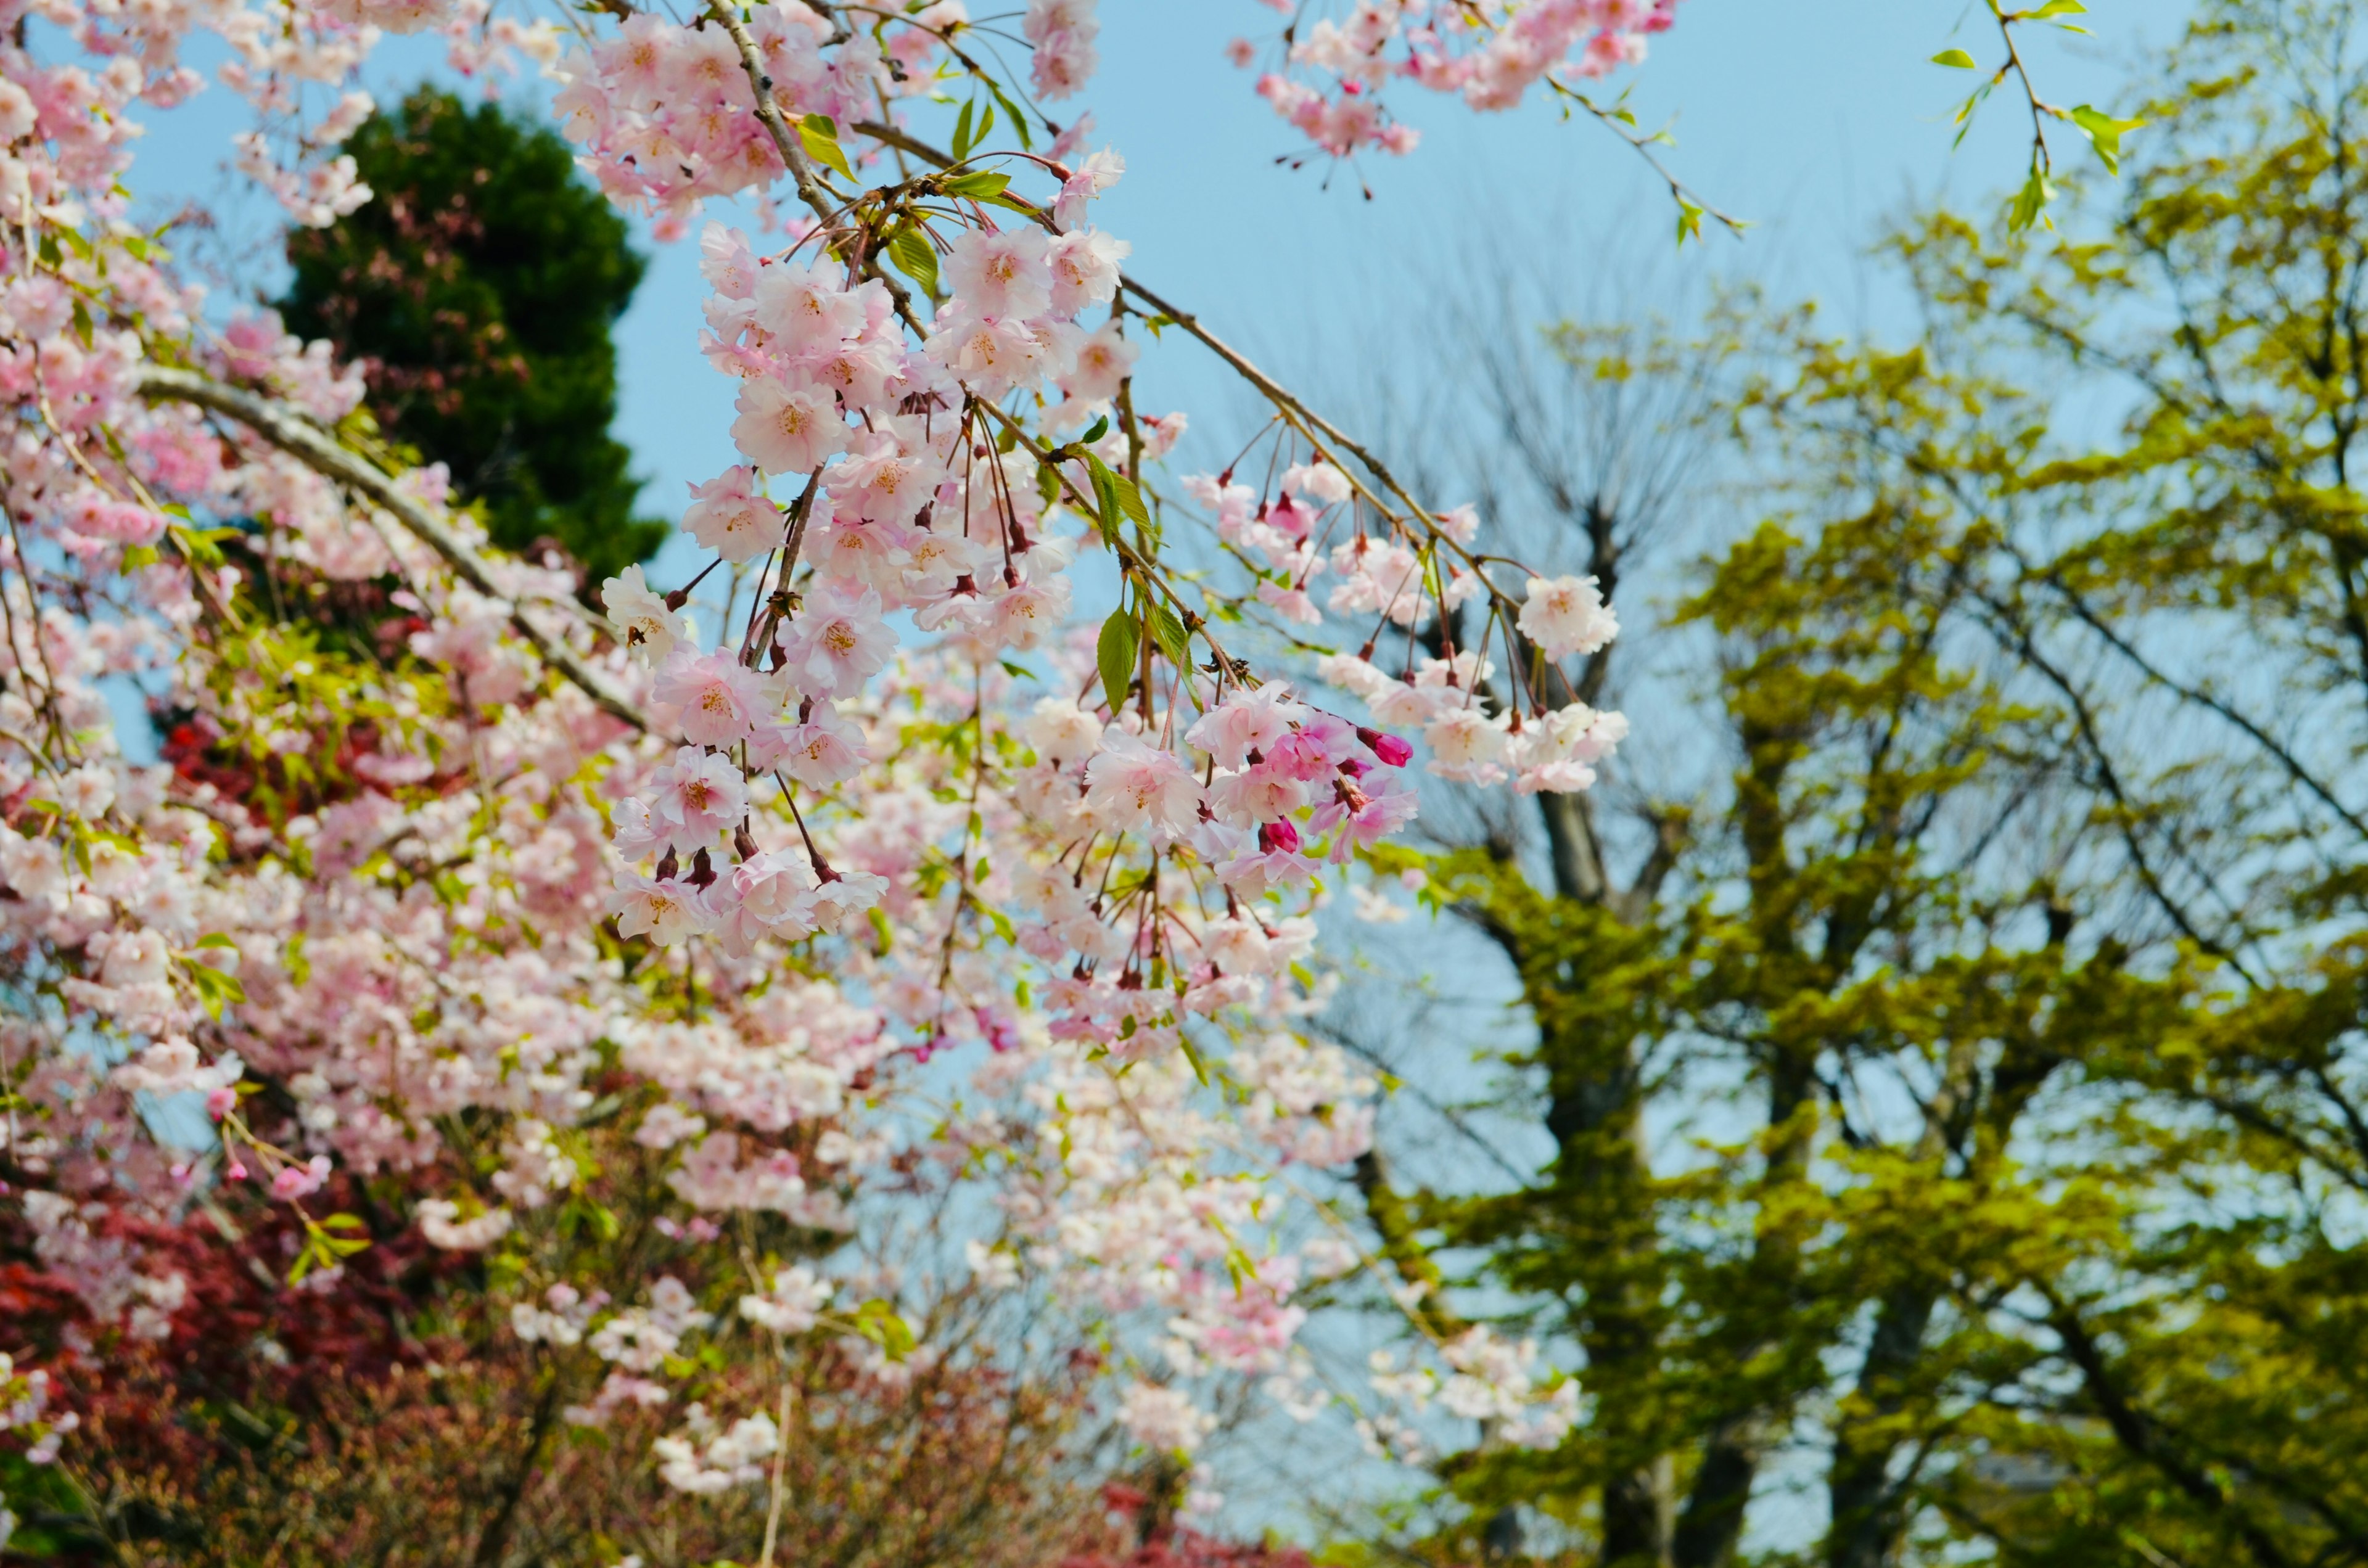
[(1129, 499), (1174, 641), (820, 134), (1018, 120), (1106, 500), (1956, 57), (877, 1321), (977, 184), (1114, 653), (916, 258), (2030, 202), (2104, 133)]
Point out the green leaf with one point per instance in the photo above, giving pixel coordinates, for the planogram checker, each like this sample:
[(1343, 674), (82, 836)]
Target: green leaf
[(1019, 119), (1018, 670), (963, 142), (820, 134), (1192, 1055), (977, 184), (1095, 431), (2056, 8), (877, 1321), (1173, 640), (916, 257), (1118, 494), (196, 546), (1114, 656), (1690, 217), (2030, 202), (2104, 133), (1107, 506), (215, 990), (1957, 58)]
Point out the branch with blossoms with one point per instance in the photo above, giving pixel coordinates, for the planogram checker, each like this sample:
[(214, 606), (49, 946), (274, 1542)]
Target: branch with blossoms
[(1490, 53)]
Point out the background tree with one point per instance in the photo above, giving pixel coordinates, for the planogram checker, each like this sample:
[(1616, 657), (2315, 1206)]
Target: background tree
[(1963, 1097), (479, 288)]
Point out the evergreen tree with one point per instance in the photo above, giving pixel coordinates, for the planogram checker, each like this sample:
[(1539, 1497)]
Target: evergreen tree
[(480, 285)]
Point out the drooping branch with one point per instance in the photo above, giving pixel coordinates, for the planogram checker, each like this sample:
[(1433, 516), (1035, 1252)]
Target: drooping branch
[(303, 438)]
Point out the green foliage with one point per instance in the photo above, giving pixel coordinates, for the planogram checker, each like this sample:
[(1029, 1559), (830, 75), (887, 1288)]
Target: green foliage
[(479, 285), (2013, 990)]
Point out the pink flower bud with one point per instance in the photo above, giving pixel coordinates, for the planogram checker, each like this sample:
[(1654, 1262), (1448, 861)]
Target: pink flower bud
[(1278, 834), (221, 1102), (1393, 750)]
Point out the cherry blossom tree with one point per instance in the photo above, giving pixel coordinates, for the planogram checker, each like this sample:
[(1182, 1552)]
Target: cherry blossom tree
[(871, 877)]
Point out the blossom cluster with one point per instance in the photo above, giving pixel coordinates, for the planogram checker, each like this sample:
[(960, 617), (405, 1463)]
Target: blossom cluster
[(438, 878), (1489, 54)]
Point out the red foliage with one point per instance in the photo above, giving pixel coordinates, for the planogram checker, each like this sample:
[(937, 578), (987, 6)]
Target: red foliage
[(1146, 1537)]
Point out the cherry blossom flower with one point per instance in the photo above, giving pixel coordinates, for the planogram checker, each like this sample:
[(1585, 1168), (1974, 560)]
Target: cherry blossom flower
[(715, 699), (1565, 616), (792, 1305), (639, 618), (1245, 722), (667, 912), (1134, 785), (731, 517), (698, 798), (819, 752), (836, 643), (786, 431)]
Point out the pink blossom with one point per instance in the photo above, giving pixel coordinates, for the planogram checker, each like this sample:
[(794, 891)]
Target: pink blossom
[(714, 696), (1089, 180), (699, 797), (786, 431), (1134, 785), (1245, 722), (300, 1181), (731, 517), (1000, 272), (837, 642), (1085, 269), (820, 752), (1566, 615)]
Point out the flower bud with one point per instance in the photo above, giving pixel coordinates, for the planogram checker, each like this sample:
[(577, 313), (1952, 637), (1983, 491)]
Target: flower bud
[(1392, 749)]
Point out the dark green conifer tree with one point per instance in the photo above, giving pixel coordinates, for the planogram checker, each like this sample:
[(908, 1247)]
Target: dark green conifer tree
[(480, 285)]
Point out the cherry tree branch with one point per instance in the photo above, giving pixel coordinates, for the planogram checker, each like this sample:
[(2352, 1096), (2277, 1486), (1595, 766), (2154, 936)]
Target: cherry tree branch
[(300, 437)]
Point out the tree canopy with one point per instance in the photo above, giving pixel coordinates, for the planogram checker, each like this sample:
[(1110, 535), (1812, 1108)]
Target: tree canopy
[(478, 290), (1964, 1102)]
